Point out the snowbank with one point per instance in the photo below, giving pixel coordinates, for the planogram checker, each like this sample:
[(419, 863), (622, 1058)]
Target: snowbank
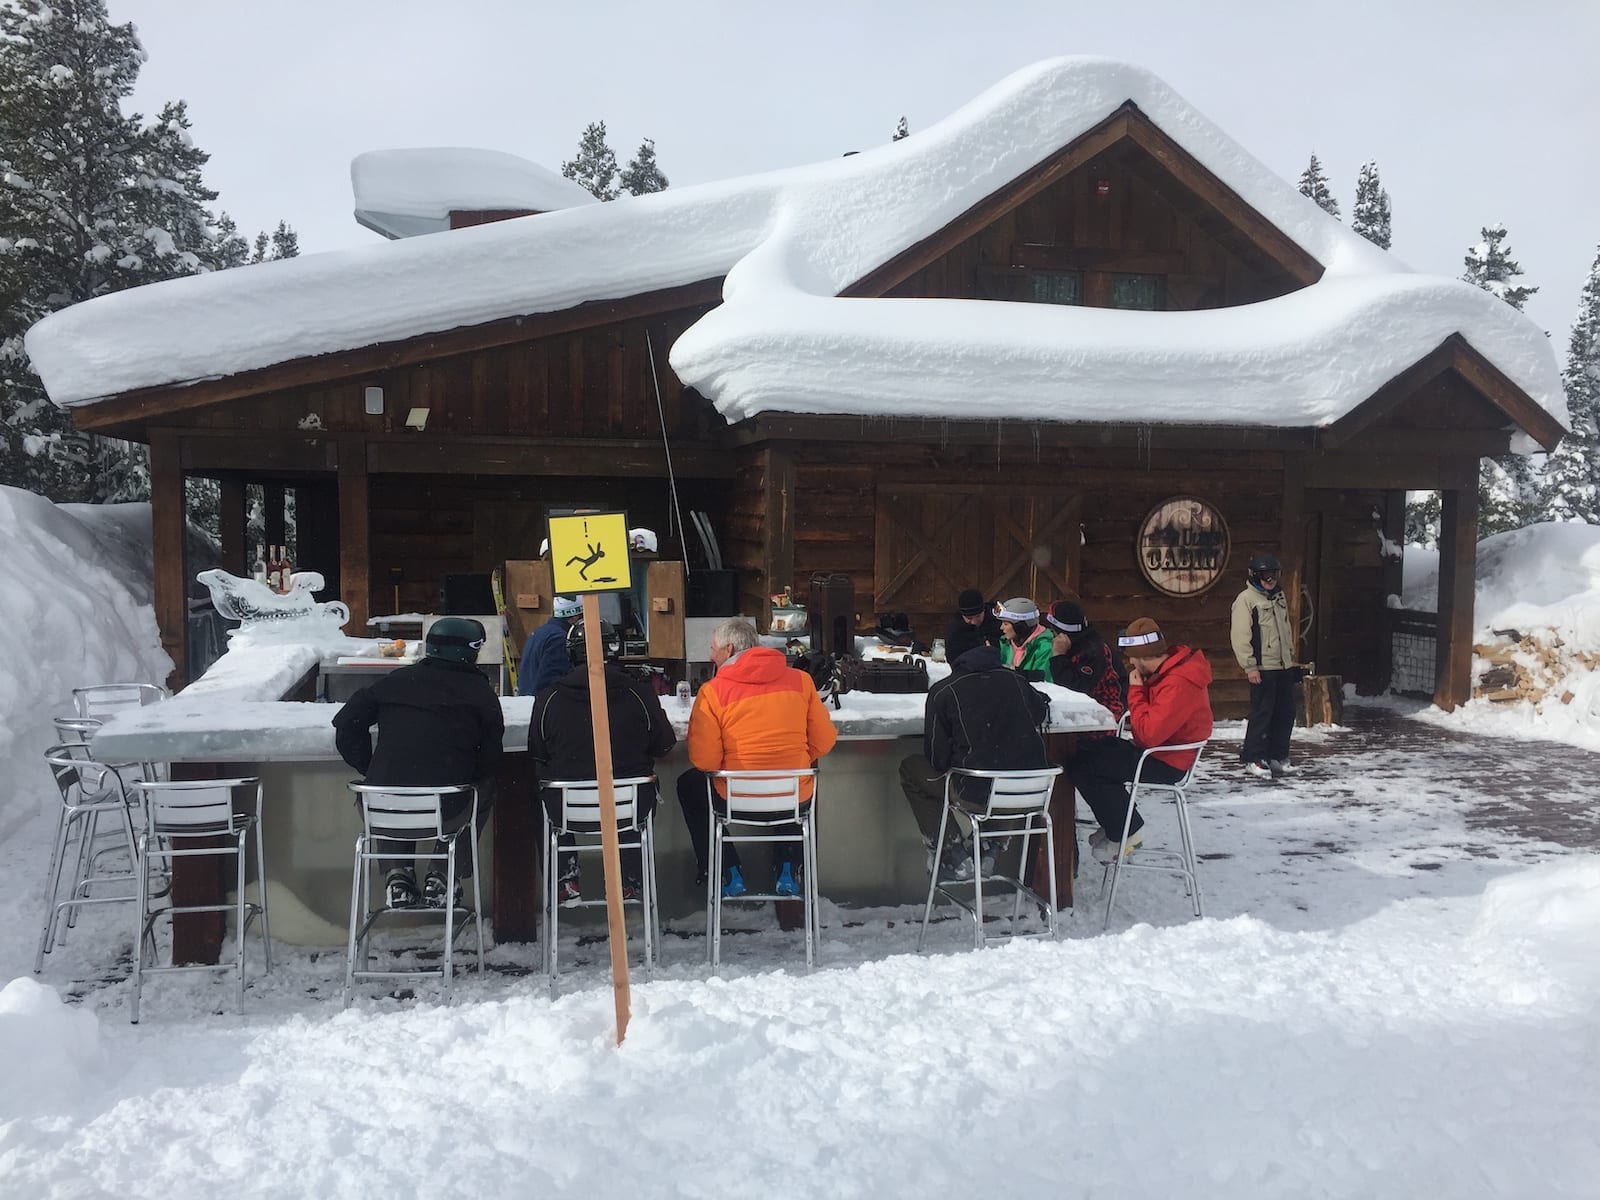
[(1543, 582), (50, 1051), (788, 242), (76, 598)]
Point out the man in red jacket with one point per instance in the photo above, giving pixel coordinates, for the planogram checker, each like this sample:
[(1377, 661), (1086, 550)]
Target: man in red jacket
[(1169, 703)]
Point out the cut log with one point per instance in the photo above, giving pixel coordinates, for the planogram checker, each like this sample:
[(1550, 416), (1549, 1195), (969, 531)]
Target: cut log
[(1322, 700)]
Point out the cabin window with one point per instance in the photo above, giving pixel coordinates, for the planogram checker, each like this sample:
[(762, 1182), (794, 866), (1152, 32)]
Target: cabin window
[(1058, 287), (1136, 291)]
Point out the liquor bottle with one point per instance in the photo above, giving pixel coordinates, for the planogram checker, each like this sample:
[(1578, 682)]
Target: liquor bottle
[(273, 578), (258, 571), (285, 569)]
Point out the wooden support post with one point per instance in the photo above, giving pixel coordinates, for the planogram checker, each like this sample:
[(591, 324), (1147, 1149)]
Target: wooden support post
[(354, 556), (777, 526), (518, 834), (167, 508), (1291, 545), (236, 554), (610, 852), (1458, 551), (273, 504), (196, 880)]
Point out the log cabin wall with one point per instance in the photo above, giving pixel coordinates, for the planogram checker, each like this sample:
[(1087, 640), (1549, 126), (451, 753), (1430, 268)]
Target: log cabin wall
[(850, 497), (1117, 229)]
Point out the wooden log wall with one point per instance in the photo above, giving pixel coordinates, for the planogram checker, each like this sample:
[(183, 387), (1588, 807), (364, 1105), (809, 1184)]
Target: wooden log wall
[(837, 488), (1119, 214)]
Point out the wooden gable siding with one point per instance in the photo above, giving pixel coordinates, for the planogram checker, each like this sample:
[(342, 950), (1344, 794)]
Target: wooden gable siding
[(593, 383), (1147, 223)]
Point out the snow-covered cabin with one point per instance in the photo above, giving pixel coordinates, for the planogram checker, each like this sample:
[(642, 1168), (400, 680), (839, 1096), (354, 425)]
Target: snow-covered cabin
[(990, 355)]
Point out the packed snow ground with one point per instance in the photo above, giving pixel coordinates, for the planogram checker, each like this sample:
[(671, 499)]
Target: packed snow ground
[(1394, 993)]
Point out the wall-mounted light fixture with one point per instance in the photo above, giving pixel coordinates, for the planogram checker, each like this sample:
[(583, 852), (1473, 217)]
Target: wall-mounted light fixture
[(373, 396), (417, 419)]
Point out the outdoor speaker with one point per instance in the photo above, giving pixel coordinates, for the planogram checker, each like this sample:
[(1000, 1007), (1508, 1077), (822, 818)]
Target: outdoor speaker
[(711, 594), (466, 595)]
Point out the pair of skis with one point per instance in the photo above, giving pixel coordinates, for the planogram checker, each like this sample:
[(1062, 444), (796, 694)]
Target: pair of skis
[(506, 651)]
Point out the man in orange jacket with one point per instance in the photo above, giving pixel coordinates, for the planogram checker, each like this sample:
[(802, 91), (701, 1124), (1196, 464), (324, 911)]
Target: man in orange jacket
[(1169, 703), (756, 714)]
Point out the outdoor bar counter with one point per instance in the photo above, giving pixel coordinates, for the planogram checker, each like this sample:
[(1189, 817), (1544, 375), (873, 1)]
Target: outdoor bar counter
[(251, 714)]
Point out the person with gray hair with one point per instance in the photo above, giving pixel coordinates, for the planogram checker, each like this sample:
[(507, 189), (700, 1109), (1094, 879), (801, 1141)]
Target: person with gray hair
[(757, 713)]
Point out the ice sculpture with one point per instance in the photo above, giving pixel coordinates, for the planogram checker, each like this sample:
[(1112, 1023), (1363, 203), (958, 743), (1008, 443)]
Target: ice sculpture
[(259, 609)]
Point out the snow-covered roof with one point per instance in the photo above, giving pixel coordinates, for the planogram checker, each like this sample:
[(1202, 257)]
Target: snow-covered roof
[(402, 193), (788, 242)]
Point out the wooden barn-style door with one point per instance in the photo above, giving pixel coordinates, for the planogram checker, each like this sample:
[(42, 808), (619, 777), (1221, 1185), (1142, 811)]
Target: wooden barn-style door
[(932, 540)]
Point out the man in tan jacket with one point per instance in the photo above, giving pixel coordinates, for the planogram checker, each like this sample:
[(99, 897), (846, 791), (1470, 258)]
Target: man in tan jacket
[(1263, 642)]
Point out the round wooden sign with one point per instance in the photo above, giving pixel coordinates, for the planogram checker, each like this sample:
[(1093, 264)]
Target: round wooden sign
[(1182, 546)]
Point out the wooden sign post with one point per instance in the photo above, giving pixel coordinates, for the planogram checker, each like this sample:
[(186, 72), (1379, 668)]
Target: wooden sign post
[(589, 555)]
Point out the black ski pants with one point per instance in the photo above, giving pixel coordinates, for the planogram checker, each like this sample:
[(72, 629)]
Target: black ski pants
[(692, 799), (1272, 710), (1101, 770)]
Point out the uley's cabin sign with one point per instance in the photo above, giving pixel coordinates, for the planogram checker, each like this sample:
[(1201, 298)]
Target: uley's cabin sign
[(1182, 546)]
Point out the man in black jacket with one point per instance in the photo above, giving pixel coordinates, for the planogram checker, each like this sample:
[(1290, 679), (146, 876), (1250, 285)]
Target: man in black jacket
[(973, 625), (439, 722), (561, 744), (985, 716)]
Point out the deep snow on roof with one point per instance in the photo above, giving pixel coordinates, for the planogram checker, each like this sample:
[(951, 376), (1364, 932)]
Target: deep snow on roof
[(789, 241), (403, 193)]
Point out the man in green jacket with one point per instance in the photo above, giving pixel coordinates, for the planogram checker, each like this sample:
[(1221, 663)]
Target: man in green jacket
[(1263, 642)]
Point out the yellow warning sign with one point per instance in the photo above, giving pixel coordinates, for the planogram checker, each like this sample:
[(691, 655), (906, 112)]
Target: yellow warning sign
[(589, 553)]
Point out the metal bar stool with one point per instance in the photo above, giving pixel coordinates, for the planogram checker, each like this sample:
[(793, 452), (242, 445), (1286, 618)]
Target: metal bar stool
[(88, 791), (187, 819), (1016, 801), (579, 806), (1179, 862), (102, 701), (392, 818), (762, 800)]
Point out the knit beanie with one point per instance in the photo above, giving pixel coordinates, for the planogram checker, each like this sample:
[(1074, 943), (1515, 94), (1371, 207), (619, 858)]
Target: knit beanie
[(1143, 639), (1067, 616), (970, 602)]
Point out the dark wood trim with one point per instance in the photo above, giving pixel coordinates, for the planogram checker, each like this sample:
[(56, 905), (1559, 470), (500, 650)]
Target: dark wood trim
[(420, 454), (1127, 123), (167, 541), (143, 404), (257, 455), (778, 518), (518, 834), (939, 431), (1458, 548), (1394, 529), (232, 522), (1412, 472), (354, 533), (1455, 353)]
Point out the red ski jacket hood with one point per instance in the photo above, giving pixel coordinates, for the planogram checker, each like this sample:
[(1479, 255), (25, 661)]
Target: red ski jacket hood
[(1173, 706)]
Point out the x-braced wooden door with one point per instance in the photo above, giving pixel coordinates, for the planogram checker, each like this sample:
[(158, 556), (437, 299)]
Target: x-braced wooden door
[(935, 539)]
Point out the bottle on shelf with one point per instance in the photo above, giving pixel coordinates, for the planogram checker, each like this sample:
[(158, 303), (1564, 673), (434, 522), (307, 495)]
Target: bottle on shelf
[(285, 569), (274, 579), (258, 570)]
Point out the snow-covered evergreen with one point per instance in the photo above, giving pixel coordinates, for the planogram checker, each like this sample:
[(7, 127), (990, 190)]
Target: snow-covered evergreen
[(642, 174), (1572, 475), (901, 130), (595, 166), (1314, 184), (1507, 490), (92, 200), (1371, 216)]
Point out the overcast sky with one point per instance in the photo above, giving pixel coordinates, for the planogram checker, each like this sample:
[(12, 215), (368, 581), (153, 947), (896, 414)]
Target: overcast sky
[(1475, 110)]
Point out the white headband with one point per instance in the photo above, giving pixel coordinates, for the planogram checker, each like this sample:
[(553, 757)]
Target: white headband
[(1062, 625), (1143, 639), (1006, 614)]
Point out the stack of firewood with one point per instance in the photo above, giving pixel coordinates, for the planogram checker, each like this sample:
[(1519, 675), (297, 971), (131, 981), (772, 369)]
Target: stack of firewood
[(1519, 666)]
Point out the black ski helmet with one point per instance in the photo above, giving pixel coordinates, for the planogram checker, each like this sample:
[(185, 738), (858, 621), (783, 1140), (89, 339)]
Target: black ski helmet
[(578, 645), (455, 639), (1263, 564)]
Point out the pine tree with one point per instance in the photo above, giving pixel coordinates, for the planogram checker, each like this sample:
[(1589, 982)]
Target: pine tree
[(1507, 493), (595, 166), (1314, 184), (92, 200), (1572, 476), (1371, 217), (642, 175), (901, 130), (1491, 267)]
